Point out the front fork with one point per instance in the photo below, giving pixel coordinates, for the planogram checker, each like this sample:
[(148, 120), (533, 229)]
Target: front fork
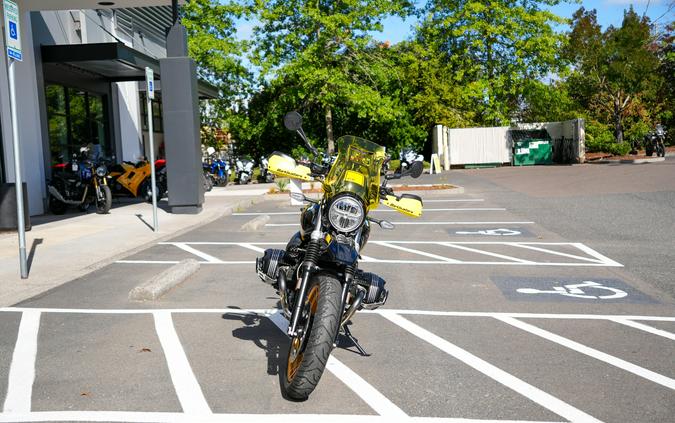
[(307, 267)]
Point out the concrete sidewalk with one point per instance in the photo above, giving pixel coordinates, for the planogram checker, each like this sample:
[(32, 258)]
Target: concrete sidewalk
[(63, 248)]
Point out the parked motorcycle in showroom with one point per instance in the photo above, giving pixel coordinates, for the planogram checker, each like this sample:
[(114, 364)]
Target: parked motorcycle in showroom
[(317, 275), (655, 142), (81, 182)]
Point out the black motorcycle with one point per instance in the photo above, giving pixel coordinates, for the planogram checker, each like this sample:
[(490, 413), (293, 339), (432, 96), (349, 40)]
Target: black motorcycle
[(317, 276), (655, 142), (81, 182)]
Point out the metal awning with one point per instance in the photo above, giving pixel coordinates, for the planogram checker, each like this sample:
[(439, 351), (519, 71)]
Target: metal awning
[(113, 62)]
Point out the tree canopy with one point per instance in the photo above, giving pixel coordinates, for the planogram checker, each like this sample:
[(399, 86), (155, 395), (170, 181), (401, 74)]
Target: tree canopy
[(467, 63)]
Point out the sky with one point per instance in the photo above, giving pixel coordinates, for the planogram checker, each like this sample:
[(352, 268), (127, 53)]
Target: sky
[(610, 12)]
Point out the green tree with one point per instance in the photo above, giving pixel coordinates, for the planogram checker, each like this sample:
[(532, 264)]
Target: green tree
[(322, 47), (213, 44), (490, 48), (615, 72)]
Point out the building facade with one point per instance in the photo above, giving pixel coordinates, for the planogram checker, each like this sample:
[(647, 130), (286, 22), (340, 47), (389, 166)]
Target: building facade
[(80, 83)]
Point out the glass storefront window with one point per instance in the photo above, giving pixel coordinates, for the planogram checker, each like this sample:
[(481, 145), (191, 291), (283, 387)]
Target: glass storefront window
[(157, 121), (76, 118)]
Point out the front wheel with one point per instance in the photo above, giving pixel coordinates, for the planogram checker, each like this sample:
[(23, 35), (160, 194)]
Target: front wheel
[(660, 150), (104, 200), (309, 352)]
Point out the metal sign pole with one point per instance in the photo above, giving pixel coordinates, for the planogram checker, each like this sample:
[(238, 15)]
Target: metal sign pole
[(12, 21), (21, 224), (150, 93)]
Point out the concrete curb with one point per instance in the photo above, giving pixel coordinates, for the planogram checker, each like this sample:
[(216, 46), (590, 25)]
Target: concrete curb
[(255, 224), (34, 290), (161, 283)]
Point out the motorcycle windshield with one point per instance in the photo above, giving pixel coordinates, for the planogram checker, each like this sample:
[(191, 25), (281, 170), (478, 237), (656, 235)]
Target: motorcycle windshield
[(356, 170)]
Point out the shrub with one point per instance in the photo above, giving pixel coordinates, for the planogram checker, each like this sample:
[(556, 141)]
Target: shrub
[(619, 149)]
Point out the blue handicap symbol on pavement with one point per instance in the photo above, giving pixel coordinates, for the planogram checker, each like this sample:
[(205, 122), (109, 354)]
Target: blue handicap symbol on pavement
[(12, 30)]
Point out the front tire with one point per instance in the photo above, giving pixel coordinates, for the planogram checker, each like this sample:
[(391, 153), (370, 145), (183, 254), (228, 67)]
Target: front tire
[(104, 203), (305, 363)]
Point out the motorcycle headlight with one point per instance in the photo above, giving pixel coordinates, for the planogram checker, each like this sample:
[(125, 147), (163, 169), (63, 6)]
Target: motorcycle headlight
[(102, 171), (346, 214)]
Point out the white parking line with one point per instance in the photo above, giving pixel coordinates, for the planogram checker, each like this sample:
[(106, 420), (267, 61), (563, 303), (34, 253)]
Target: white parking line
[(160, 417), (456, 200), (371, 396), (22, 369), (184, 381), (418, 252), (645, 328), (424, 223), (591, 352), (200, 254), (534, 394), (488, 253), (469, 246), (374, 211)]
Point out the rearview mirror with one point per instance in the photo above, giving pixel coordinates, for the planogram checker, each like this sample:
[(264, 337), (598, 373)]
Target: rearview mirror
[(416, 169), (293, 121)]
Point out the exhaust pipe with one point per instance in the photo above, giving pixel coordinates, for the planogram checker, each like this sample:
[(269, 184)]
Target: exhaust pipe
[(356, 305), (53, 191)]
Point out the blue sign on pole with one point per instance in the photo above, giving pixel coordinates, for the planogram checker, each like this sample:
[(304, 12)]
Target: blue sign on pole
[(12, 30)]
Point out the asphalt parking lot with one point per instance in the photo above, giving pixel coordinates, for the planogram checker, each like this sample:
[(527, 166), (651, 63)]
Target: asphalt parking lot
[(494, 314)]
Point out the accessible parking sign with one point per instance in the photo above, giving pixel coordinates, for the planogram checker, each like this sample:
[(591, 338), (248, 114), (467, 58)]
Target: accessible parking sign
[(12, 30)]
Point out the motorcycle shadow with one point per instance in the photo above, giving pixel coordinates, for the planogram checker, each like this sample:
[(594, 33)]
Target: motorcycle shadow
[(265, 335)]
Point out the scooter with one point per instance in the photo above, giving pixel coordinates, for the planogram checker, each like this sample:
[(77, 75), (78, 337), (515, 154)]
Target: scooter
[(265, 174), (244, 169)]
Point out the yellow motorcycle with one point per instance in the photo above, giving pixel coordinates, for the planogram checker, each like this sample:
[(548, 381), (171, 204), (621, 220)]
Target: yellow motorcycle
[(317, 275), (134, 179)]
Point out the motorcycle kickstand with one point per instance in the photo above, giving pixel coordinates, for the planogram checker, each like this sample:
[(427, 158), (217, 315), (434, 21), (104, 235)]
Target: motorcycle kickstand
[(355, 341)]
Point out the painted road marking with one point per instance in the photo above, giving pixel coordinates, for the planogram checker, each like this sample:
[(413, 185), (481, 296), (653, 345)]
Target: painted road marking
[(272, 225), (410, 250), (645, 328), (491, 232), (184, 381), (534, 394), (488, 253), (373, 211), (595, 259), (183, 246), (578, 290), (456, 200), (569, 289), (371, 396), (161, 417), (29, 328), (591, 352), (22, 369)]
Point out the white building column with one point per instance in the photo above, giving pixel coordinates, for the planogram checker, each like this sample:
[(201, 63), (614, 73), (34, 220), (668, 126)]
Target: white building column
[(30, 134), (128, 110)]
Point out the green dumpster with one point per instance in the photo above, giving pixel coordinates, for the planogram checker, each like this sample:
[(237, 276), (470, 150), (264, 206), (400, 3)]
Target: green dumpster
[(530, 151)]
